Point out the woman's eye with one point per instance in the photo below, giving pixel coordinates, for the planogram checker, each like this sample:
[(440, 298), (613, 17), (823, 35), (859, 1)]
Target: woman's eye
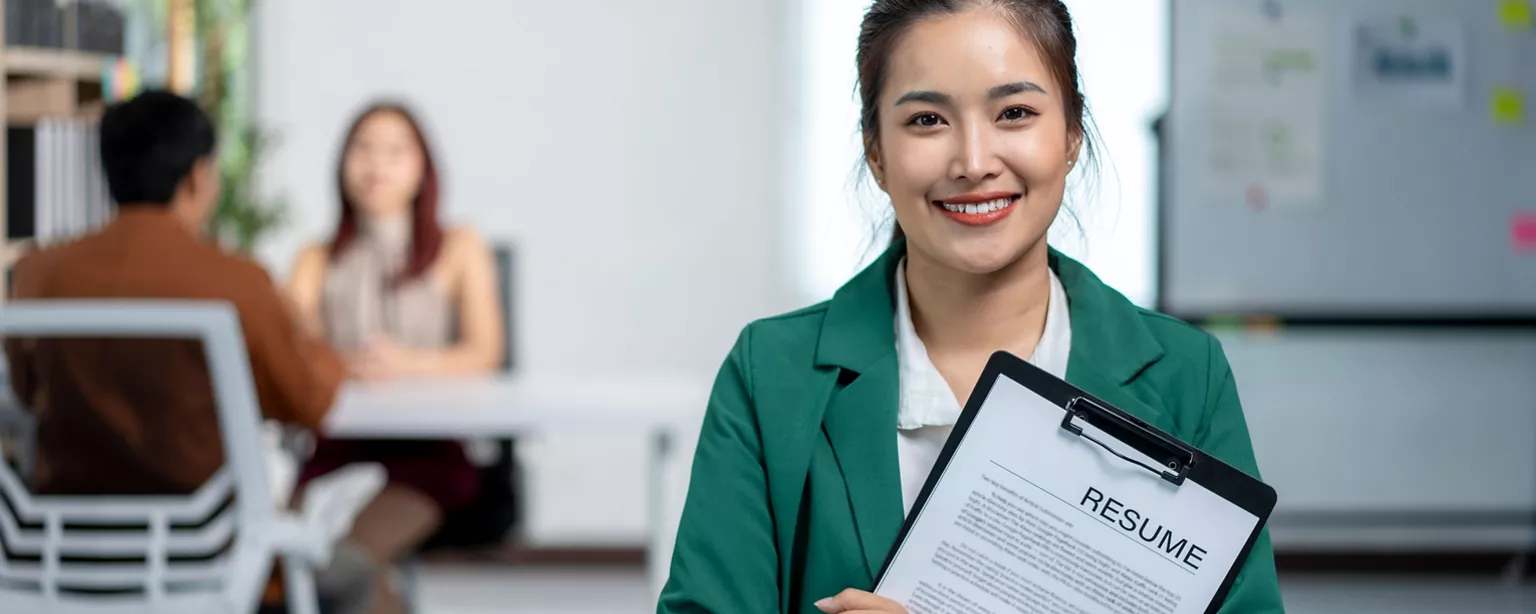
[(926, 120), (1014, 114)]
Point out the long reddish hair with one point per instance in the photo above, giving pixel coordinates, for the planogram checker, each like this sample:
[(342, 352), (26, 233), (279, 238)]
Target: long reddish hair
[(426, 231)]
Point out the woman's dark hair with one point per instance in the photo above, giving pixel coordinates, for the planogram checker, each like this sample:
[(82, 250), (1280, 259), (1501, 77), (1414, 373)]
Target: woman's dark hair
[(1045, 22), (426, 231)]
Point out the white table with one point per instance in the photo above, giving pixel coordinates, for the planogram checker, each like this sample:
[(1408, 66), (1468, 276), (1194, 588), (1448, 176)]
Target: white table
[(658, 406)]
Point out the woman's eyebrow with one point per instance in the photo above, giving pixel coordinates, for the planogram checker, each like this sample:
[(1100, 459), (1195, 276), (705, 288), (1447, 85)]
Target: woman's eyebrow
[(1001, 91), (1017, 87)]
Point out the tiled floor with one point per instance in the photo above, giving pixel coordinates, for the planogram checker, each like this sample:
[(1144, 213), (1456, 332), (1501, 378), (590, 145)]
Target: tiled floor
[(1412, 595), (563, 591), (484, 590)]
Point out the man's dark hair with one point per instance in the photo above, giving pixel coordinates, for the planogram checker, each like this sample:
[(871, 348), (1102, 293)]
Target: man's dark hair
[(150, 143)]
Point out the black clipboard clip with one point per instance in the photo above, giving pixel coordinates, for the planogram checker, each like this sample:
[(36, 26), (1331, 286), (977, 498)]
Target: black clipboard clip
[(1176, 456)]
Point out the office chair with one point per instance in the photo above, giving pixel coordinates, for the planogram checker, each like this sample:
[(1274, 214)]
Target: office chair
[(498, 508), (207, 552)]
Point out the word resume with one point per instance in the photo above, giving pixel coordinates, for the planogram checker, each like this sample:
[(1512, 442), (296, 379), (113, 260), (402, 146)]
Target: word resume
[(1028, 518)]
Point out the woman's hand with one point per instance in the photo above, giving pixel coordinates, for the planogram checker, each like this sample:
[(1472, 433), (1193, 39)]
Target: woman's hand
[(382, 359), (853, 601)]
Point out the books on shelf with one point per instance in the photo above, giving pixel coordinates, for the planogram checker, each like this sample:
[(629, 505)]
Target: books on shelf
[(98, 25), (34, 23), (57, 189)]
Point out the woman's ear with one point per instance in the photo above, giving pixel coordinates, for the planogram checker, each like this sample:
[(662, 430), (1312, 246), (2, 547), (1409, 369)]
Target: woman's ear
[(1074, 149), (872, 160)]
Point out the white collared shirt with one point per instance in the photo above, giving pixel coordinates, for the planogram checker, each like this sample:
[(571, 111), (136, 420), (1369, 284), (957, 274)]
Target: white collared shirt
[(928, 409)]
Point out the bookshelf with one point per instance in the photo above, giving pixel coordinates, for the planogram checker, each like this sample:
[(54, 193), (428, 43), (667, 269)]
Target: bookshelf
[(83, 66), (43, 82)]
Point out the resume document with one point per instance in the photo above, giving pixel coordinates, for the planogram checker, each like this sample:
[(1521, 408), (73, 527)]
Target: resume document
[(1027, 517)]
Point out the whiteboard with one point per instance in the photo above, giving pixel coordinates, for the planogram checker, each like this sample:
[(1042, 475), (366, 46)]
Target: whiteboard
[(1362, 170)]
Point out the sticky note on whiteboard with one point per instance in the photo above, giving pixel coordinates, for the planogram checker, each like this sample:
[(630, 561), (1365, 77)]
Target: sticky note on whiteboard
[(1522, 232), (1507, 106), (1517, 14)]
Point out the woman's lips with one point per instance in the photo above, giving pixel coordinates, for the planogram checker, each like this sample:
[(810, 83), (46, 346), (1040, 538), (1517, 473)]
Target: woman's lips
[(978, 209)]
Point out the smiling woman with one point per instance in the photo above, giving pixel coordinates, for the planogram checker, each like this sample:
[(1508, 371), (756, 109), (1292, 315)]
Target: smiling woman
[(825, 422)]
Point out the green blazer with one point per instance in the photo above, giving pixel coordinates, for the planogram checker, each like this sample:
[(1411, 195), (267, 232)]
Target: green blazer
[(795, 493)]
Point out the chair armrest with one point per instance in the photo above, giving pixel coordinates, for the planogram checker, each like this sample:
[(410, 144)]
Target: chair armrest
[(333, 501), (282, 464), (296, 540)]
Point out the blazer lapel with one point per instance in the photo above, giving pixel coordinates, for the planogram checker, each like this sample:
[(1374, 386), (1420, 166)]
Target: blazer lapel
[(858, 339), (1081, 373), (1111, 346), (861, 426)]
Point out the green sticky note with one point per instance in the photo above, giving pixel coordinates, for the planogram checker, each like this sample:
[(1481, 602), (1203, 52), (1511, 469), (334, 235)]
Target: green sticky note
[(1516, 14), (1508, 106), (1223, 322)]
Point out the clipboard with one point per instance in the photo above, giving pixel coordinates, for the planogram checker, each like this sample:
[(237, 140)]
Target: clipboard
[(1176, 463)]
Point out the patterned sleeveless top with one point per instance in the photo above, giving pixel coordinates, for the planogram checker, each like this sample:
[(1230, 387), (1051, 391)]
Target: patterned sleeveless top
[(360, 302)]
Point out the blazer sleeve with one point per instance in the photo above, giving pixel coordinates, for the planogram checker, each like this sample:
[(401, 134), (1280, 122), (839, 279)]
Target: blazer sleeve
[(1225, 436), (725, 559)]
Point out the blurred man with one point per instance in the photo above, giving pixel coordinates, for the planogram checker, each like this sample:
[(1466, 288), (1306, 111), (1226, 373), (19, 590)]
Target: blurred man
[(137, 416)]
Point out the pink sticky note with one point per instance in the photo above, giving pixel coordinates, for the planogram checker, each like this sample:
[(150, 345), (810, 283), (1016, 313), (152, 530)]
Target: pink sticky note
[(1522, 231), (1258, 197)]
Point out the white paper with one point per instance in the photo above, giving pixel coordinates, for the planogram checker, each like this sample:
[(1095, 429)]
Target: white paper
[(1265, 102), (1408, 62), (1028, 518)]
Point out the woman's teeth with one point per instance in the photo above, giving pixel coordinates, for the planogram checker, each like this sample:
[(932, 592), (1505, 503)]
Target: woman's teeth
[(986, 207)]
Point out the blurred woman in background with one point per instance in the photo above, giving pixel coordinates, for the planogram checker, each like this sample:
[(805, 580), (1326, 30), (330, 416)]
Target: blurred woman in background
[(400, 297)]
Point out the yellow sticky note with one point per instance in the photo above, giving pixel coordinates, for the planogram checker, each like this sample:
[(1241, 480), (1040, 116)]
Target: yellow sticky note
[(1516, 14), (1508, 106)]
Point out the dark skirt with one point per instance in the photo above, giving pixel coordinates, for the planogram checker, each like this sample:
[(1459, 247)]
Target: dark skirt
[(439, 469)]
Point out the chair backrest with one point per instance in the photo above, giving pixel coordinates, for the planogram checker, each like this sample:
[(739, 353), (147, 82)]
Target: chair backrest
[(505, 283), (155, 553), (486, 453)]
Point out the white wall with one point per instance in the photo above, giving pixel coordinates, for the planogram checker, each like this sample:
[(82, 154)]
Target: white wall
[(629, 149), (1123, 60), (834, 222)]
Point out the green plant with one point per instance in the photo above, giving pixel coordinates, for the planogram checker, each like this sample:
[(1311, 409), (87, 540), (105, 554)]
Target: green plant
[(221, 28), (243, 215)]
